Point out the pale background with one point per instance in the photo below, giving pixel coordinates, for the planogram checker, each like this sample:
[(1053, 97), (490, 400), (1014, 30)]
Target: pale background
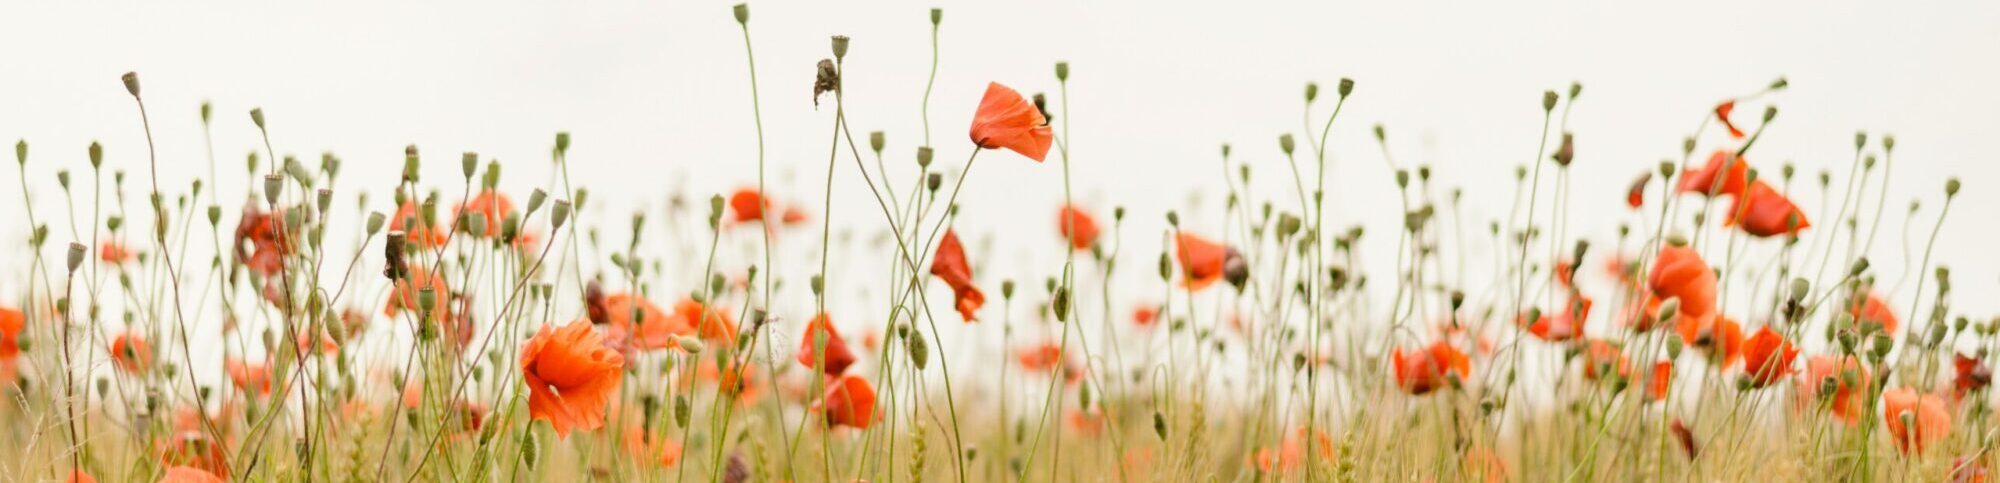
[(657, 97)]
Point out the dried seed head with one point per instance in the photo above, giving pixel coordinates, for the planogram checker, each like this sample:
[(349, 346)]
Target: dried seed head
[(840, 46), (76, 251), (131, 83)]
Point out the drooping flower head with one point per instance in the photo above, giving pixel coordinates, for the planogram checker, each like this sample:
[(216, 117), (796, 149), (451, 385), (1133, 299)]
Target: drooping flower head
[(1006, 120), (571, 376), (951, 267)]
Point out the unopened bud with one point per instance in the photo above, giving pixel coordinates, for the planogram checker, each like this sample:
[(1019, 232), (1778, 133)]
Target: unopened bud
[(876, 140), (1062, 71), (257, 117), (742, 11), (132, 83), (1548, 101)]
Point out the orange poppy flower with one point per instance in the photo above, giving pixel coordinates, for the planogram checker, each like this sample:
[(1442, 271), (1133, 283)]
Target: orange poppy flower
[(711, 323), (1679, 272), (79, 476), (307, 345), (1849, 379), (1914, 420), (1420, 372), (130, 353), (1204, 262), (1145, 315), (492, 206), (1873, 310), (409, 290), (747, 205), (1722, 113), (1635, 194), (1767, 357), (12, 322), (1290, 454), (837, 358), (1966, 470), (113, 253), (1733, 171), (1969, 374), (653, 328), (951, 267), (571, 375), (1077, 227), (1485, 465), (1660, 382), (1048, 358), (1087, 423), (1006, 120), (1721, 337), (644, 445), (185, 474), (411, 222), (1600, 358), (850, 402), (194, 452), (1560, 327), (251, 377), (1762, 211), (1686, 438)]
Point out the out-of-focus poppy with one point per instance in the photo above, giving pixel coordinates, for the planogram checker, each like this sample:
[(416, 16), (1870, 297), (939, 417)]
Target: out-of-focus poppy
[(648, 446), (186, 474), (1679, 272), (1561, 326), (12, 322), (849, 401), (1722, 114), (1685, 436), (570, 375), (1660, 382), (1872, 309), (193, 451), (130, 353), (1914, 420), (1635, 194), (1725, 174), (711, 323), (1204, 262), (411, 222), (1048, 358), (491, 206), (1762, 211), (1718, 336), (1420, 372), (837, 357), (1966, 470), (1767, 357), (638, 322), (748, 204), (1145, 315), (251, 377), (1077, 227), (1290, 455), (1847, 378), (1006, 120), (113, 253), (1601, 358), (951, 267)]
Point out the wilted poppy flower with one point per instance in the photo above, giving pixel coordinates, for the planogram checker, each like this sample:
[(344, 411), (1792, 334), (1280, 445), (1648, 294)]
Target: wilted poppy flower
[(411, 222), (1679, 272), (1420, 372), (267, 246), (951, 267), (1204, 262), (1767, 357), (1077, 227), (1562, 326), (1635, 195), (1725, 174), (1720, 337), (1660, 381), (1873, 310), (1762, 211), (1722, 114), (490, 205), (130, 353), (251, 377), (1006, 120), (748, 204), (1969, 374), (1290, 454), (850, 402), (1601, 358), (1048, 358), (186, 474), (571, 375), (113, 253), (837, 358), (1847, 378), (1914, 420)]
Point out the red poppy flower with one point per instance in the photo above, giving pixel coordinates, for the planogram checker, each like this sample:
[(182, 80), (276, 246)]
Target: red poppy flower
[(490, 205), (571, 376), (113, 253), (850, 402), (1077, 227), (1145, 315), (951, 267), (1873, 310), (267, 246), (1767, 357), (1660, 382), (1722, 113), (1290, 454), (1420, 372), (1203, 262), (716, 326), (747, 204), (837, 358), (12, 322), (411, 223), (1720, 337), (1914, 420), (1679, 272), (186, 474), (79, 476), (1006, 120), (1635, 195), (1686, 438), (408, 293), (1969, 374), (1600, 359), (644, 445), (1705, 180), (1850, 379), (1763, 212), (1966, 470), (1048, 358), (130, 353), (1562, 326), (251, 377)]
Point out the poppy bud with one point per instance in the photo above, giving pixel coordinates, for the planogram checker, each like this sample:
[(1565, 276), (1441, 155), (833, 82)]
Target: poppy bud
[(1285, 143), (257, 117), (876, 140), (920, 350), (839, 46), (1936, 335), (96, 154), (1883, 344), (1847, 340), (1402, 178), (1951, 187), (1166, 267), (1174, 218), (1060, 304), (1888, 142), (690, 345), (1548, 101), (410, 163), (1575, 88), (1770, 112), (1346, 87), (937, 15), (1800, 288), (1670, 309), (1007, 288), (76, 251), (21, 152), (1780, 84), (132, 83), (562, 142), (492, 177), (559, 213), (1118, 213), (818, 284), (934, 181), (206, 110), (1860, 265), (1287, 225), (535, 200), (742, 11), (1160, 425), (375, 221), (1062, 71), (1312, 91), (923, 156), (1674, 346), (1868, 163)]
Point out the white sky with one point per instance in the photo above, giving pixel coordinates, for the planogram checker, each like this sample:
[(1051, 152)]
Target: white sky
[(656, 95)]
